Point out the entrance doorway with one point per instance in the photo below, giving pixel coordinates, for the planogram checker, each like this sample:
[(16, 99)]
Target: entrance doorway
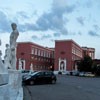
[(62, 65)]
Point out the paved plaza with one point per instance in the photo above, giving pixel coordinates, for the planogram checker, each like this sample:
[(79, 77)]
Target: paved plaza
[(66, 88)]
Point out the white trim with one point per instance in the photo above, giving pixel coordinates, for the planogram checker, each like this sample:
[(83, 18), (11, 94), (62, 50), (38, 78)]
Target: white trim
[(20, 65), (62, 68)]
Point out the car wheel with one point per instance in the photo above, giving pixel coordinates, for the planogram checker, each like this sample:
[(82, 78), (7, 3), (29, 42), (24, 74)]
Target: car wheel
[(53, 81), (31, 82)]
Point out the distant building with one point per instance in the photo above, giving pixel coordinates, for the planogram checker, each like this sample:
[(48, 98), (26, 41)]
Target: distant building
[(89, 51), (96, 61), (31, 56), (66, 52), (63, 58)]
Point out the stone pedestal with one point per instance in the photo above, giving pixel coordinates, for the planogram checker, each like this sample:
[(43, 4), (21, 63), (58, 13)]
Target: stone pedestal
[(4, 92), (4, 79), (13, 90)]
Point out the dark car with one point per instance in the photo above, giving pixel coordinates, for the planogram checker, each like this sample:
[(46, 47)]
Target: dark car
[(26, 73), (40, 77)]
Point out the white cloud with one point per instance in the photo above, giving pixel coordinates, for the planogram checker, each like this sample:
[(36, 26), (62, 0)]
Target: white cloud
[(4, 40), (60, 3), (36, 18)]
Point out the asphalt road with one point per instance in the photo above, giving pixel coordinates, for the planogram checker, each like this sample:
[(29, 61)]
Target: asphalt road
[(66, 88)]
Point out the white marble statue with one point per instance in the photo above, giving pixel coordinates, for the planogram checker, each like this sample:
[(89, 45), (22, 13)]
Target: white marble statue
[(13, 37), (2, 67), (31, 67), (7, 57), (20, 64), (10, 80)]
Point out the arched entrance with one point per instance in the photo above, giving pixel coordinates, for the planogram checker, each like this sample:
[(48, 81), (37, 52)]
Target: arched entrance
[(62, 65), (21, 64)]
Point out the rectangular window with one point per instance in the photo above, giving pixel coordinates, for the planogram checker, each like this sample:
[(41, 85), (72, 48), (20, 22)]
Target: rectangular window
[(32, 52), (35, 51), (38, 52)]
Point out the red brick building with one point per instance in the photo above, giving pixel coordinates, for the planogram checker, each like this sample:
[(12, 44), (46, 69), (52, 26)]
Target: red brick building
[(89, 51), (63, 57), (66, 52), (31, 56)]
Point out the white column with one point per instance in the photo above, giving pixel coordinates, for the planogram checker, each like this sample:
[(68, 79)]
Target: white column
[(59, 63), (31, 67), (65, 64)]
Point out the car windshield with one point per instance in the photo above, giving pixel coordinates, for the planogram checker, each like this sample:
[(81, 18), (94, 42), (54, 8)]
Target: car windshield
[(25, 71), (48, 73), (34, 73)]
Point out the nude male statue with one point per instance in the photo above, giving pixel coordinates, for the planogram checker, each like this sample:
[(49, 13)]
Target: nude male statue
[(13, 37), (7, 57)]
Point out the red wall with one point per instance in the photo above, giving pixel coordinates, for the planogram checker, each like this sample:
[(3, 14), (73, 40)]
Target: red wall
[(24, 51), (63, 50)]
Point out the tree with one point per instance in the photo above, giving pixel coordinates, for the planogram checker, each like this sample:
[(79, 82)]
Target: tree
[(96, 69), (85, 64), (80, 65)]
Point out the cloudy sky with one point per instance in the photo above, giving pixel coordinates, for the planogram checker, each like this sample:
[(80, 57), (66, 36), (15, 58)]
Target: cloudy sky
[(44, 21)]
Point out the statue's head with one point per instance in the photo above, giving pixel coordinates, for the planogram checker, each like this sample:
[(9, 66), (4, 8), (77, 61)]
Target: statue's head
[(7, 45), (14, 26)]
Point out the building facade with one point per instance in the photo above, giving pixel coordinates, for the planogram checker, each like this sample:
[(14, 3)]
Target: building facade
[(31, 56), (63, 58), (66, 52), (89, 51)]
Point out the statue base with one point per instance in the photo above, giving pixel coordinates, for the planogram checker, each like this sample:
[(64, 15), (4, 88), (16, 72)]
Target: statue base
[(4, 79), (13, 90)]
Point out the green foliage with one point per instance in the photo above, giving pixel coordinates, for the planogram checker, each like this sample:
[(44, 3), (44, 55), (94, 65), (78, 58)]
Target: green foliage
[(96, 69), (85, 64)]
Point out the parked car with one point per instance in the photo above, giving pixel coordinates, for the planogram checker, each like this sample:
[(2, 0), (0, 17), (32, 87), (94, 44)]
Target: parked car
[(26, 73), (82, 74), (75, 73), (40, 77), (89, 74)]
